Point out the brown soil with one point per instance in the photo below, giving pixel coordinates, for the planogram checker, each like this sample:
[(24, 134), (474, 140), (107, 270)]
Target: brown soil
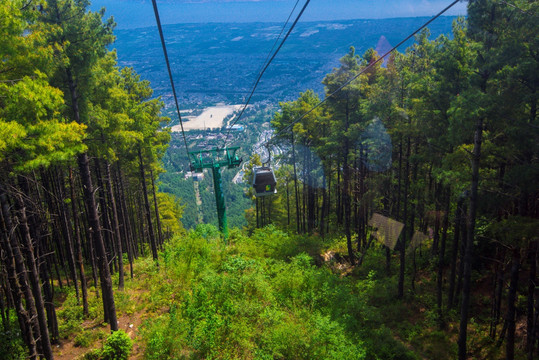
[(130, 323)]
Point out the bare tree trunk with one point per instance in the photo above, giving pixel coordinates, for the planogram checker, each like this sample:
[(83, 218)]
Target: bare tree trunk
[(106, 227), (126, 224), (116, 227), (347, 211), (99, 246), (23, 316), (295, 184), (402, 249), (511, 310), (532, 280), (466, 286), (441, 256), (454, 253), (66, 231), (157, 219), (147, 206), (78, 248), (34, 280)]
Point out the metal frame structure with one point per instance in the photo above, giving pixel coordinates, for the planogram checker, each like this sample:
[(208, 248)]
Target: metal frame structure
[(215, 159)]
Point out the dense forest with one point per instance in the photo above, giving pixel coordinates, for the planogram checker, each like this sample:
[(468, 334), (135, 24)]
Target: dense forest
[(406, 223)]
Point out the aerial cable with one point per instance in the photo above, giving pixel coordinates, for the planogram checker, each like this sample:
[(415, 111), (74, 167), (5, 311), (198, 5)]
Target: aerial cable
[(157, 19), (363, 71), (515, 7), (277, 39), (265, 68)]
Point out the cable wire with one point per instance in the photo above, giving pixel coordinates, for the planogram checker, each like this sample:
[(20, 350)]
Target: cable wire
[(264, 70), (158, 20), (276, 40), (362, 71)]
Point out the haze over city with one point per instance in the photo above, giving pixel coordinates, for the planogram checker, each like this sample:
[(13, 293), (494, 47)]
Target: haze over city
[(139, 13)]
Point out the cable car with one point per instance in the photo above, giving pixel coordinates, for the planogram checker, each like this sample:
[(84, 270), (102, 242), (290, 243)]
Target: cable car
[(264, 181)]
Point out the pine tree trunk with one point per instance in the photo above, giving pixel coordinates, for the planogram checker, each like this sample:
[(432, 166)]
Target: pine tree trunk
[(23, 316), (55, 226), (141, 226), (66, 231), (78, 247), (347, 211), (295, 185), (116, 227), (35, 230), (511, 309), (106, 227), (402, 249), (454, 253), (126, 224), (147, 206), (467, 273), (287, 205), (532, 280), (157, 218), (441, 256), (34, 280), (99, 246)]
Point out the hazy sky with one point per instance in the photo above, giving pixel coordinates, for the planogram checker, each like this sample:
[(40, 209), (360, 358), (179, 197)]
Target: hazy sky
[(139, 13)]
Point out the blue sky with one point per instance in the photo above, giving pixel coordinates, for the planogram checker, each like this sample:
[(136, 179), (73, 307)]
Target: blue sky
[(139, 13)]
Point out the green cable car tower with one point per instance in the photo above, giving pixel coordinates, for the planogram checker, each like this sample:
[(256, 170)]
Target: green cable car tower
[(215, 159)]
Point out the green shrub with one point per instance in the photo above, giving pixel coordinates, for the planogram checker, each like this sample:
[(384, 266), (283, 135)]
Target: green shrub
[(117, 347), (83, 339), (94, 354), (11, 344)]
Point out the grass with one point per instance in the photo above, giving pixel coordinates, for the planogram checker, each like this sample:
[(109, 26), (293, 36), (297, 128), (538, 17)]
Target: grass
[(263, 297)]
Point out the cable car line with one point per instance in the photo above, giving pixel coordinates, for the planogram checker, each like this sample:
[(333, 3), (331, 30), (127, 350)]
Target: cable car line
[(277, 40), (158, 20), (269, 53), (362, 71), (264, 70)]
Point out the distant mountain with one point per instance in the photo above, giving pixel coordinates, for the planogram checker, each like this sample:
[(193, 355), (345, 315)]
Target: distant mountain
[(218, 62)]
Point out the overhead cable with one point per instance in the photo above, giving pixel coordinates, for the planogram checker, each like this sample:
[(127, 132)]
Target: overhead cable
[(362, 71), (265, 68), (158, 20), (277, 39)]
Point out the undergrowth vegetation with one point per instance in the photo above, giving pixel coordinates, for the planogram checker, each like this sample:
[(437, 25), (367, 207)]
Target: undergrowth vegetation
[(261, 297), (269, 295)]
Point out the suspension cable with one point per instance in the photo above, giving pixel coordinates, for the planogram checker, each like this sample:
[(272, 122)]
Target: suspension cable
[(157, 19), (361, 72), (264, 70), (276, 40)]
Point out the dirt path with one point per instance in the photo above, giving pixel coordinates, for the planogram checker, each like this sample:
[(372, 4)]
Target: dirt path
[(130, 323)]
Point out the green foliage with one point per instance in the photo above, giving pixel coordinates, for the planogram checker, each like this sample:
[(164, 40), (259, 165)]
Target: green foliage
[(11, 344), (117, 346), (260, 299), (83, 339), (93, 354), (271, 242), (70, 316)]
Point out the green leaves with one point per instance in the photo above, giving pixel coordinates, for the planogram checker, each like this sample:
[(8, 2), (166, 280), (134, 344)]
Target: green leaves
[(35, 134)]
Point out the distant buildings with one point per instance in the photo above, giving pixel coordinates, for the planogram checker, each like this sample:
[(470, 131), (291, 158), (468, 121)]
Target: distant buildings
[(238, 128), (196, 176)]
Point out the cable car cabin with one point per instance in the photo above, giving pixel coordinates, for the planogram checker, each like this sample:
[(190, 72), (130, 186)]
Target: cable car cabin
[(264, 181)]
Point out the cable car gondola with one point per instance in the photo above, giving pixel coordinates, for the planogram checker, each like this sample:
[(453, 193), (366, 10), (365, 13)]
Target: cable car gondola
[(264, 181)]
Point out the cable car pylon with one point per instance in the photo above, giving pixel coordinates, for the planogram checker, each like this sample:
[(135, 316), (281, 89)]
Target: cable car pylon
[(215, 159)]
